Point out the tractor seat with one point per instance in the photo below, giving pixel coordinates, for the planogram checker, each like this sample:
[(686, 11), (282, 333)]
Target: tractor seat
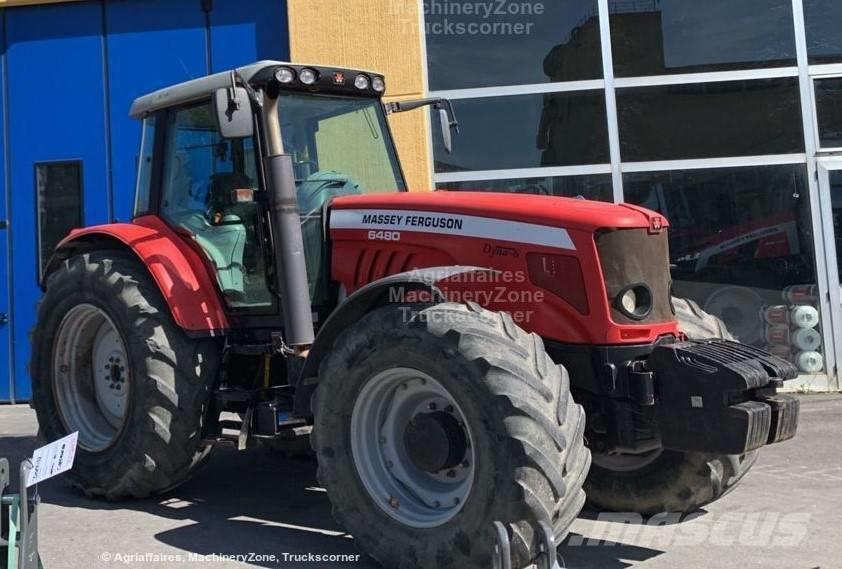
[(222, 233)]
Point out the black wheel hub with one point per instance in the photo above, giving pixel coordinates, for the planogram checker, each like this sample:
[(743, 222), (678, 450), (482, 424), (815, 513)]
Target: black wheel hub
[(435, 441)]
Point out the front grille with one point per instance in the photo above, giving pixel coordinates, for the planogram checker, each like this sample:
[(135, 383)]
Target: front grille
[(634, 256)]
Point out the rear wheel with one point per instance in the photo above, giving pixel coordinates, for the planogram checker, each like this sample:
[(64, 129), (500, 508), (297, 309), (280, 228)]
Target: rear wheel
[(666, 480), (109, 362), (432, 425)]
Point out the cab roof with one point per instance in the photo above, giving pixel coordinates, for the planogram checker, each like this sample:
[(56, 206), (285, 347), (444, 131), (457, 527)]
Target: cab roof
[(203, 87)]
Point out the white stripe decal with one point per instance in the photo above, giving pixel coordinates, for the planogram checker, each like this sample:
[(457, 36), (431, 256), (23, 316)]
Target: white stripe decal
[(452, 224)]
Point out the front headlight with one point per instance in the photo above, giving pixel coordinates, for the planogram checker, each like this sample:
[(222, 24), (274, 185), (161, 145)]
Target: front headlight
[(308, 76), (284, 75), (361, 82), (628, 301), (635, 301)]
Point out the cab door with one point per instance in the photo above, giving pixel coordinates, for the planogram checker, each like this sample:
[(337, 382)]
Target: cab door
[(207, 190)]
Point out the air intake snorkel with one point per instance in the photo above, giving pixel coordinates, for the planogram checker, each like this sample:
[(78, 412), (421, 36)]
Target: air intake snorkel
[(288, 243)]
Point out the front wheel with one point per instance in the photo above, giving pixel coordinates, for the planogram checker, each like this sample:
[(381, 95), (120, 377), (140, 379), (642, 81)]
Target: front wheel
[(665, 480), (431, 424)]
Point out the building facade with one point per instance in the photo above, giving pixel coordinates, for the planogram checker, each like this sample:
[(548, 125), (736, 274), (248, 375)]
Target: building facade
[(725, 116)]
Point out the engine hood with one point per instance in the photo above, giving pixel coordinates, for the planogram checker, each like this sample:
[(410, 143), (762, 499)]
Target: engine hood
[(585, 215)]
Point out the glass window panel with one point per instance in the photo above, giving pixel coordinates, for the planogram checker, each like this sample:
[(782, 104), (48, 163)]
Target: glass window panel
[(829, 110), (485, 44), (824, 33), (526, 131), (656, 37), (591, 187), (741, 245), (317, 130), (59, 195), (738, 118), (201, 173)]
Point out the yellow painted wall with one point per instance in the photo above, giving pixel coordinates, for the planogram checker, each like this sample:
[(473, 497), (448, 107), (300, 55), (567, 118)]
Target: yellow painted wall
[(378, 35)]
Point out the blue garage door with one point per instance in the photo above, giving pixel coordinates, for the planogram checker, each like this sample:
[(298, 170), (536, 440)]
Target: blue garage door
[(238, 37), (56, 129), (152, 44), (71, 72), (5, 363)]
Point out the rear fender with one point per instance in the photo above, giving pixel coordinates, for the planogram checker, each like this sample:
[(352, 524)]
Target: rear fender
[(420, 285), (182, 275)]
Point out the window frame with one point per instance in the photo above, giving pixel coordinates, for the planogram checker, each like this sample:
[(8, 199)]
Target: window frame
[(661, 95), (425, 21), (470, 96), (752, 69), (814, 108), (155, 168)]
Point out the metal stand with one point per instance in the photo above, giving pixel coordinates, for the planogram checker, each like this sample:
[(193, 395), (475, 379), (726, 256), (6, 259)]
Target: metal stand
[(19, 536), (547, 551)]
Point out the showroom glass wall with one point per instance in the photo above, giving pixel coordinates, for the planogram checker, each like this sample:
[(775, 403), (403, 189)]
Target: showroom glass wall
[(701, 110)]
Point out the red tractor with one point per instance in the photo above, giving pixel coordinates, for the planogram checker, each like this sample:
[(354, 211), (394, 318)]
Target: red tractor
[(453, 353)]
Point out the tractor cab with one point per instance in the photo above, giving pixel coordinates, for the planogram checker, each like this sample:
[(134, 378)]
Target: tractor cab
[(202, 172)]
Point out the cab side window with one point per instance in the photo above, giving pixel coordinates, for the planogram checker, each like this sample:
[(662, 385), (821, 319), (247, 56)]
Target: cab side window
[(202, 175)]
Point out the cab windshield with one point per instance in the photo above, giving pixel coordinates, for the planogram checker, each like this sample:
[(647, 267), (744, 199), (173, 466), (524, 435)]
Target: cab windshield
[(339, 145)]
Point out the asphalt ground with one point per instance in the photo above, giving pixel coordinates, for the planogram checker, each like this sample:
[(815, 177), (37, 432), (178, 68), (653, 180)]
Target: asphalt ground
[(258, 509)]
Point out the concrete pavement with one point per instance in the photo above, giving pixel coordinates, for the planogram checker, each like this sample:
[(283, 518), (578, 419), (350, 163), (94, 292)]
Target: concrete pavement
[(786, 514)]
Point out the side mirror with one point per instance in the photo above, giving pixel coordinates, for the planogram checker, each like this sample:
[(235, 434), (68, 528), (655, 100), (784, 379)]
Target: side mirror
[(446, 115), (233, 112), (447, 139)]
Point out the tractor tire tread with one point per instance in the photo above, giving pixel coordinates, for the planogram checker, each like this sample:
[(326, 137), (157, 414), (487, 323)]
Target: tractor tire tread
[(528, 390), (174, 380)]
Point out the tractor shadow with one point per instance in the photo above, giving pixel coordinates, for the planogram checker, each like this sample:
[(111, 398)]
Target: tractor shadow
[(258, 502), (15, 448), (254, 502), (601, 554)]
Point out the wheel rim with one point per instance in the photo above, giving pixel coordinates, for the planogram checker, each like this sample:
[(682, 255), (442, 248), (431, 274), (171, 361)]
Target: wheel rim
[(625, 462), (91, 377), (397, 409), (738, 307)]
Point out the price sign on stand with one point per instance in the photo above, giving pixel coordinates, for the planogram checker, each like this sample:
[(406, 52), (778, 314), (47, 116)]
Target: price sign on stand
[(52, 459)]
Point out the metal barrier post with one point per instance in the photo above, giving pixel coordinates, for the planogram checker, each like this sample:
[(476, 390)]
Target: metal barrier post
[(19, 548)]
